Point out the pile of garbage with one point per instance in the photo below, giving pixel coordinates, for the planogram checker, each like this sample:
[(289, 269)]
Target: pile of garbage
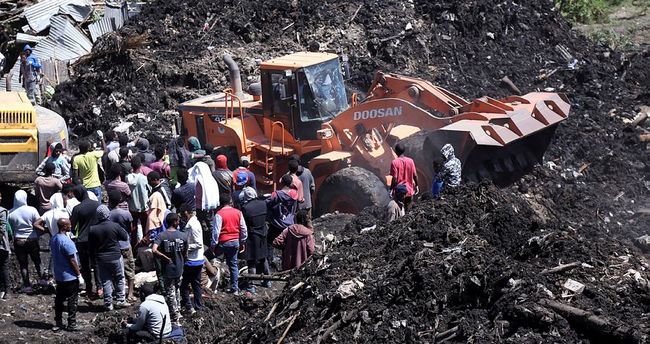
[(468, 47), (481, 265)]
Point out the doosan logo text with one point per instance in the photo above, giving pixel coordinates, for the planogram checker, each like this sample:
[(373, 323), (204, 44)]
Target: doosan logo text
[(378, 113)]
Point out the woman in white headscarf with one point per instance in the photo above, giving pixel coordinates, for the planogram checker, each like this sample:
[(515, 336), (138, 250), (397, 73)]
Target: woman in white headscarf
[(207, 197)]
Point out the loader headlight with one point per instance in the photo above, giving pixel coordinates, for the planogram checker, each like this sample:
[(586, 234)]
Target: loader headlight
[(325, 133)]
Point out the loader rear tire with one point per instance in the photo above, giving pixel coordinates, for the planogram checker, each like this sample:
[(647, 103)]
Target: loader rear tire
[(349, 191)]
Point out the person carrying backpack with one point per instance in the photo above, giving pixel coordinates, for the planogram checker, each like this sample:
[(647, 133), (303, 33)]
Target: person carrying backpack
[(282, 207)]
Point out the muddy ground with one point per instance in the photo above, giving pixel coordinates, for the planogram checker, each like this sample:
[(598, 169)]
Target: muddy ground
[(468, 268)]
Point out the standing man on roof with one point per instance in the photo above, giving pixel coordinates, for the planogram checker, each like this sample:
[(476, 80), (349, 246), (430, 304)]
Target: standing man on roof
[(403, 171), (30, 74)]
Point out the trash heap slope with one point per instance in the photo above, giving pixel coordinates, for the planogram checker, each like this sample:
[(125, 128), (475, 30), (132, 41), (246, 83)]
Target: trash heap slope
[(465, 46), (473, 267)]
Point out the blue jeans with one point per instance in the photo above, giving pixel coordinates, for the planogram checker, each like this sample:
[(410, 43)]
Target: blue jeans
[(112, 275), (230, 250), (436, 188), (98, 192)]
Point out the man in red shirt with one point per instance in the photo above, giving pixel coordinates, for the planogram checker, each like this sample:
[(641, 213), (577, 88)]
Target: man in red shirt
[(229, 234), (403, 171)]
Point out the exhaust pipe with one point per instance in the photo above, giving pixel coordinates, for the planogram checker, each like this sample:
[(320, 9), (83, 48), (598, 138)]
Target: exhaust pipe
[(235, 77)]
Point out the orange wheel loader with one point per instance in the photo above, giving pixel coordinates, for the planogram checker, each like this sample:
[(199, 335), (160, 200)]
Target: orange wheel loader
[(301, 107)]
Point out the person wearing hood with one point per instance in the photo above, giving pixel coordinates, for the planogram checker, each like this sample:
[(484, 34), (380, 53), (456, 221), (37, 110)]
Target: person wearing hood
[(206, 197), (5, 249), (451, 168), (104, 239), (45, 186), (179, 157), (152, 321), (61, 163), (254, 211), (21, 220), (123, 218), (30, 74), (223, 175), (281, 209), (142, 146), (403, 171), (48, 221), (198, 154), (84, 215), (296, 242)]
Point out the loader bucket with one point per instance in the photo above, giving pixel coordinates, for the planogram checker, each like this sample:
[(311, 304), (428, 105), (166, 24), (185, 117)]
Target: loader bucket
[(499, 147)]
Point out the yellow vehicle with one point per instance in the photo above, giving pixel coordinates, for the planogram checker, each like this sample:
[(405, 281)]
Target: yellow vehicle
[(26, 132)]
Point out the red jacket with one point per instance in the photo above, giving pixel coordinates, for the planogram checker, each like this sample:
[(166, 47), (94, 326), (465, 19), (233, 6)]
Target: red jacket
[(230, 223)]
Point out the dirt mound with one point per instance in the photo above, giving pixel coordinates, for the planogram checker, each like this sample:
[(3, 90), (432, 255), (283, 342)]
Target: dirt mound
[(467, 268)]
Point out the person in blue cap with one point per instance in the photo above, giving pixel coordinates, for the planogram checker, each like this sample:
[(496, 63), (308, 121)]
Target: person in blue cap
[(30, 74), (240, 183)]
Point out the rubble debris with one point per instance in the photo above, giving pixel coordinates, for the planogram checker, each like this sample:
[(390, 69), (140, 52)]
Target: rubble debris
[(574, 286)]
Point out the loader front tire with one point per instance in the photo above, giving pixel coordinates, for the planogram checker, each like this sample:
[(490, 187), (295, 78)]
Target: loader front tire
[(349, 191)]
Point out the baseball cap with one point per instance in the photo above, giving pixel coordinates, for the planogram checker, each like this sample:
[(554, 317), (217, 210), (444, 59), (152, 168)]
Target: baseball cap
[(242, 179)]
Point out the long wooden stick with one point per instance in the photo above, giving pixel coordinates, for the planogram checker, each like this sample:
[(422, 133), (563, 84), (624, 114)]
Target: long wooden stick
[(561, 268), (288, 327), (268, 317)]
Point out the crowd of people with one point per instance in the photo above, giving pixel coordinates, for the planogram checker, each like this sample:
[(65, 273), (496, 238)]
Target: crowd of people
[(174, 209)]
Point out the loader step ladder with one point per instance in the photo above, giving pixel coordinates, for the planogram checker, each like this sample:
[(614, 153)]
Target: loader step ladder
[(229, 99), (267, 152)]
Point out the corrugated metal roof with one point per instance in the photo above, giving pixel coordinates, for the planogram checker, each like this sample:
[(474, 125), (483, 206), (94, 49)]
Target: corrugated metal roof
[(38, 15), (65, 43), (114, 18), (79, 10), (25, 38), (68, 37), (15, 85)]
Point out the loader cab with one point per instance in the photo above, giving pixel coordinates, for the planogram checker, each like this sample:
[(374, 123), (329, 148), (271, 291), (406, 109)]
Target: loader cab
[(302, 91)]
